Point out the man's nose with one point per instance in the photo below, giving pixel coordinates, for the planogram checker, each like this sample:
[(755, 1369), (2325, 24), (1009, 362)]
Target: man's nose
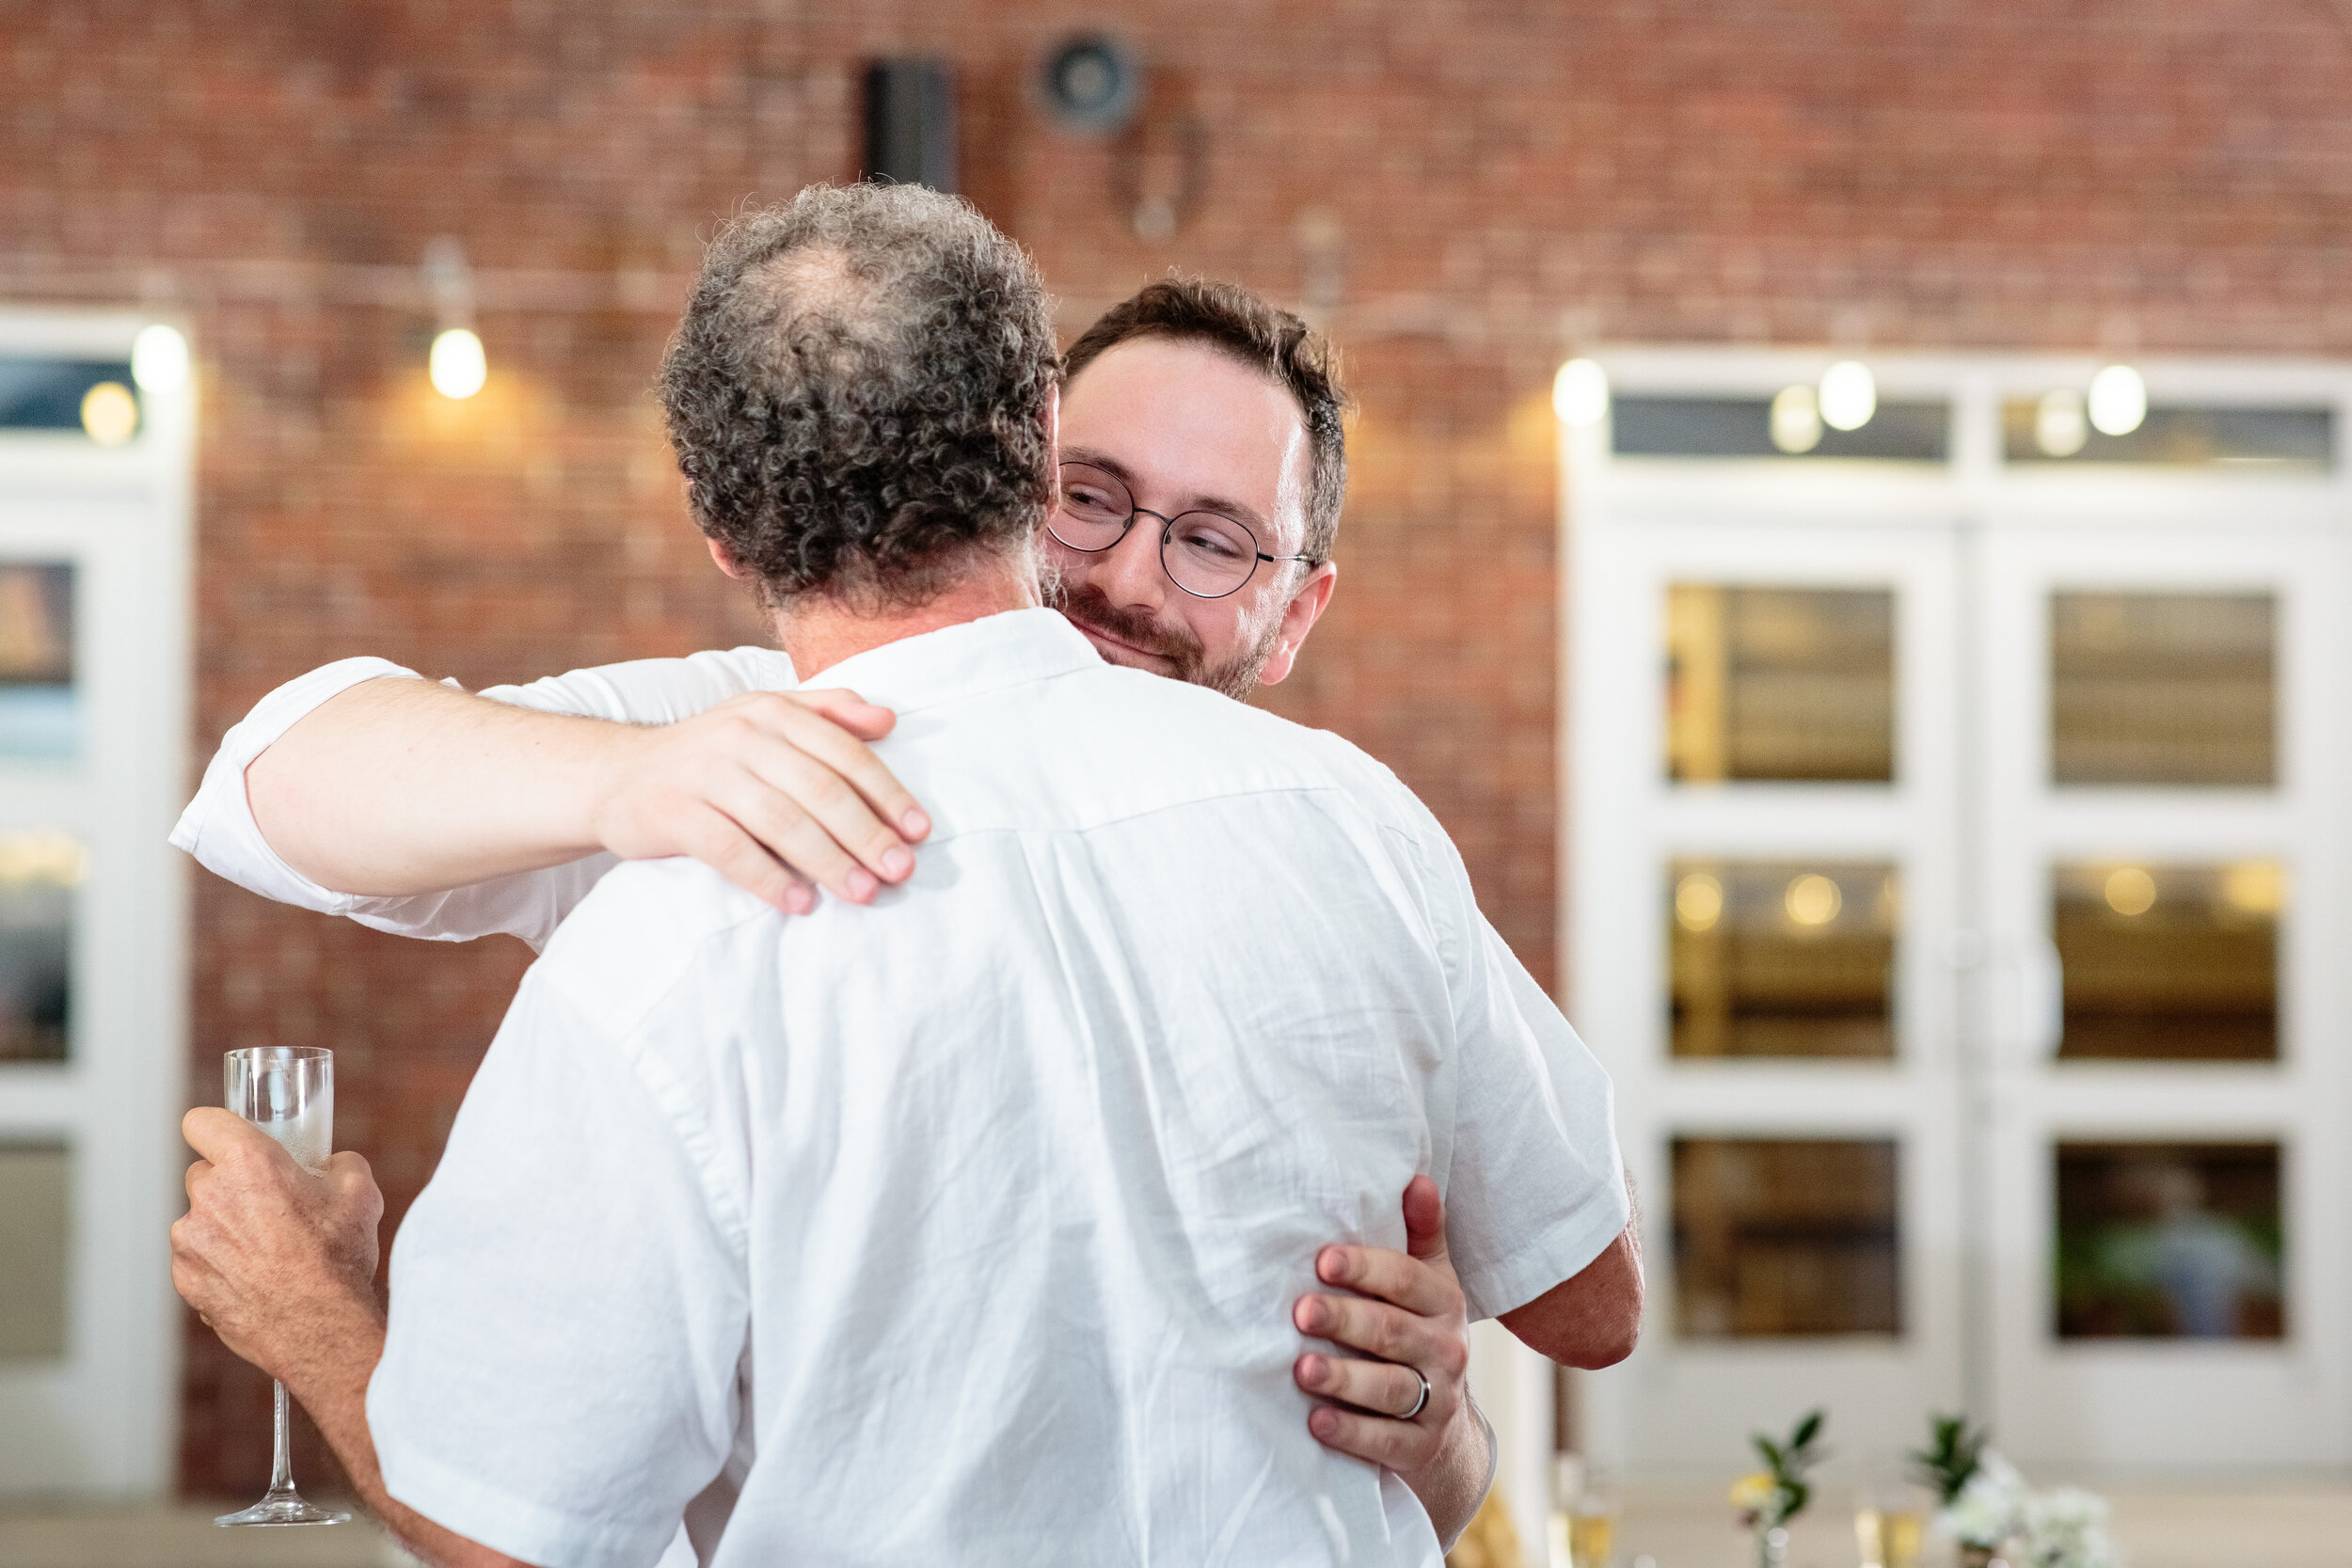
[(1129, 572)]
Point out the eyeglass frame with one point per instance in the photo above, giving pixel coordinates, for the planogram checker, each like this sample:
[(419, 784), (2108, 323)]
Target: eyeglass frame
[(1167, 526)]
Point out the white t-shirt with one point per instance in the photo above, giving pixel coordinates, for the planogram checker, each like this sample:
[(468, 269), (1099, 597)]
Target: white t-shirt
[(1002, 1184)]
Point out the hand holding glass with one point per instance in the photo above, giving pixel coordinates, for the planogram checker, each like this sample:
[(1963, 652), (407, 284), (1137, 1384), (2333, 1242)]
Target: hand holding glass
[(289, 1093)]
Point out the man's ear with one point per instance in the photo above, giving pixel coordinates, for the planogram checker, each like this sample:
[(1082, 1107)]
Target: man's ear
[(1298, 618), (726, 561)]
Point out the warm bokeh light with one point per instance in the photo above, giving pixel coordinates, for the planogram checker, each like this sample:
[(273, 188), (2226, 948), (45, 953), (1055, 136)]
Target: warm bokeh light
[(110, 414), (2059, 428), (42, 855), (159, 360), (458, 366), (1698, 902), (1813, 899), (2130, 891), (2118, 401), (1796, 420), (2257, 887), (1849, 395), (1580, 394)]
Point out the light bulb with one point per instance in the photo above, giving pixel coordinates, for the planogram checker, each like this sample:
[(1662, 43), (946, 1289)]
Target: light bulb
[(1813, 899), (159, 360), (2118, 401), (1698, 902), (2059, 426), (1796, 420), (1580, 394), (110, 415), (1849, 395), (458, 366)]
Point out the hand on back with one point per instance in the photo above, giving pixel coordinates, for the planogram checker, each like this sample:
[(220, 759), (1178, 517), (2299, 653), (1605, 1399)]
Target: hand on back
[(778, 792)]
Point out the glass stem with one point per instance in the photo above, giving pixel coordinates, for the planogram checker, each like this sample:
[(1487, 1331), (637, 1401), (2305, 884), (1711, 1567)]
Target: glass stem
[(282, 1448)]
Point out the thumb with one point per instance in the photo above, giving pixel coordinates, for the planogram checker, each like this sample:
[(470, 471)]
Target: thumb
[(1425, 1219), (853, 713), (216, 1133)]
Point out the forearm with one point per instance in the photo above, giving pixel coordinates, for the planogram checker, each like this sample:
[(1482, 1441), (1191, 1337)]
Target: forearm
[(1593, 1320), (330, 1381), (403, 787)]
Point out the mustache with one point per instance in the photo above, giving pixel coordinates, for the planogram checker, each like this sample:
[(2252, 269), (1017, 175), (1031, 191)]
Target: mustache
[(1177, 644)]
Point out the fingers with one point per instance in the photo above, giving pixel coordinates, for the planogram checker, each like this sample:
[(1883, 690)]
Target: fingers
[(1376, 1328), (1381, 1387), (220, 1136), (349, 1180), (853, 713), (875, 793), (718, 841), (1425, 1219), (1424, 1288), (1401, 1446)]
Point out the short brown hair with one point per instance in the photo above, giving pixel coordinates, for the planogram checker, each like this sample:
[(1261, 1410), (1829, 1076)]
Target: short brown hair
[(1258, 334)]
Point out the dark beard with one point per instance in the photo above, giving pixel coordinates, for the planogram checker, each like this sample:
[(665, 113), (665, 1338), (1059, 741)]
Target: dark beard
[(1237, 677)]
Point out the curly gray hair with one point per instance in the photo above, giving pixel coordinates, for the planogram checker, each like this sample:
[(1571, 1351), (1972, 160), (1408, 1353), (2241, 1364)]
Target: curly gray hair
[(857, 393)]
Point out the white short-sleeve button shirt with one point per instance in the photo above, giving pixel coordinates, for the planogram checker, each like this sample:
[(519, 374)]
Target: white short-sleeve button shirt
[(1004, 1185)]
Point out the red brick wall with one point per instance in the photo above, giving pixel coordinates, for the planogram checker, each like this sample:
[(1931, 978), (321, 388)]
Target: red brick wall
[(1503, 180)]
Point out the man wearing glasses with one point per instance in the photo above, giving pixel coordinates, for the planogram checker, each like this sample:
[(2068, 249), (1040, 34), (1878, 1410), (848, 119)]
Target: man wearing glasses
[(1201, 475)]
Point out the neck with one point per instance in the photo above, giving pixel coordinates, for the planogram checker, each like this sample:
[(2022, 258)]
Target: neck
[(819, 633)]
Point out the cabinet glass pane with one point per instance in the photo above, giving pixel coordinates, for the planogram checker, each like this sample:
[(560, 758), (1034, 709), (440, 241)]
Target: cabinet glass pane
[(35, 1206), (38, 718), (2169, 962), (1781, 1237), (1779, 683), (1782, 958), (2163, 688), (38, 872), (2170, 1241)]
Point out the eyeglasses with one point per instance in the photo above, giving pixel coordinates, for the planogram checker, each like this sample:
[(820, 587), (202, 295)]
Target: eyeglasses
[(1206, 554)]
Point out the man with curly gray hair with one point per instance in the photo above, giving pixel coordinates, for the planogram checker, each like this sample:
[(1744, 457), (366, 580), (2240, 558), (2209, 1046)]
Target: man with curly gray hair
[(991, 1182)]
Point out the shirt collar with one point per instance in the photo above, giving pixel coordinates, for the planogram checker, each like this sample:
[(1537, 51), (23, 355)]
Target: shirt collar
[(962, 660)]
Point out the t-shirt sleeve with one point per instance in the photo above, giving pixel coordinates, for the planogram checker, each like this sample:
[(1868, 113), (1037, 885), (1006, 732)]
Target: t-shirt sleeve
[(569, 1306), (219, 829), (1536, 1187)]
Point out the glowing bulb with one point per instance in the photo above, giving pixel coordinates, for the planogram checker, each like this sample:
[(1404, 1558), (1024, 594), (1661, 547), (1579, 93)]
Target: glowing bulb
[(1813, 899), (1698, 901), (2059, 426), (459, 368), (1580, 394), (1849, 395), (110, 414), (159, 360), (2258, 887), (2130, 891), (2118, 401), (1796, 420)]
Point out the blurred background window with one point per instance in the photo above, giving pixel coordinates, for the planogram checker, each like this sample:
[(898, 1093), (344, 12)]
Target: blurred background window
[(63, 395), (38, 872), (2163, 688), (35, 1203), (1779, 683), (1747, 427), (2261, 439), (2170, 1241), (1782, 958), (40, 718), (2168, 962), (1786, 1237)]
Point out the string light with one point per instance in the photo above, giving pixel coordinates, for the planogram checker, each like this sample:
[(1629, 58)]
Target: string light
[(1580, 394), (2118, 401), (458, 366), (110, 415), (159, 360), (1796, 420), (2059, 426), (1849, 395)]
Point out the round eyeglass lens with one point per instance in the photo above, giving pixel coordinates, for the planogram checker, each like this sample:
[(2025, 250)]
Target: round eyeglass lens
[(1095, 508), (1208, 554)]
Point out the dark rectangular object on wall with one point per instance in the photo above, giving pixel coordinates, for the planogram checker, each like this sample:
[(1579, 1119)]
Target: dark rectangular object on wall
[(911, 122)]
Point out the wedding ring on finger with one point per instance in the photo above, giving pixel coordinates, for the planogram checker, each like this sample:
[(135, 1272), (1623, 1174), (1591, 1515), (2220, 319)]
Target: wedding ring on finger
[(1420, 1404)]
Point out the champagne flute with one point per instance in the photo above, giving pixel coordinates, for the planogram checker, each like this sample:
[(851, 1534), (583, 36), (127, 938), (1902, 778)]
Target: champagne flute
[(289, 1093)]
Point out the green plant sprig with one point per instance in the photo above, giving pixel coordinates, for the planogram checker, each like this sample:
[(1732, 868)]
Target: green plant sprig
[(1788, 1463), (1951, 1457)]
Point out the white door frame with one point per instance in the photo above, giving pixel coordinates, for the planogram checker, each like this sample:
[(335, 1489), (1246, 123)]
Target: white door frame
[(103, 1421), (1627, 524)]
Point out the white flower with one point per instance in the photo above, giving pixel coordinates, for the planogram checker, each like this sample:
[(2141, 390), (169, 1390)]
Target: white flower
[(1986, 1511), (2065, 1528)]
